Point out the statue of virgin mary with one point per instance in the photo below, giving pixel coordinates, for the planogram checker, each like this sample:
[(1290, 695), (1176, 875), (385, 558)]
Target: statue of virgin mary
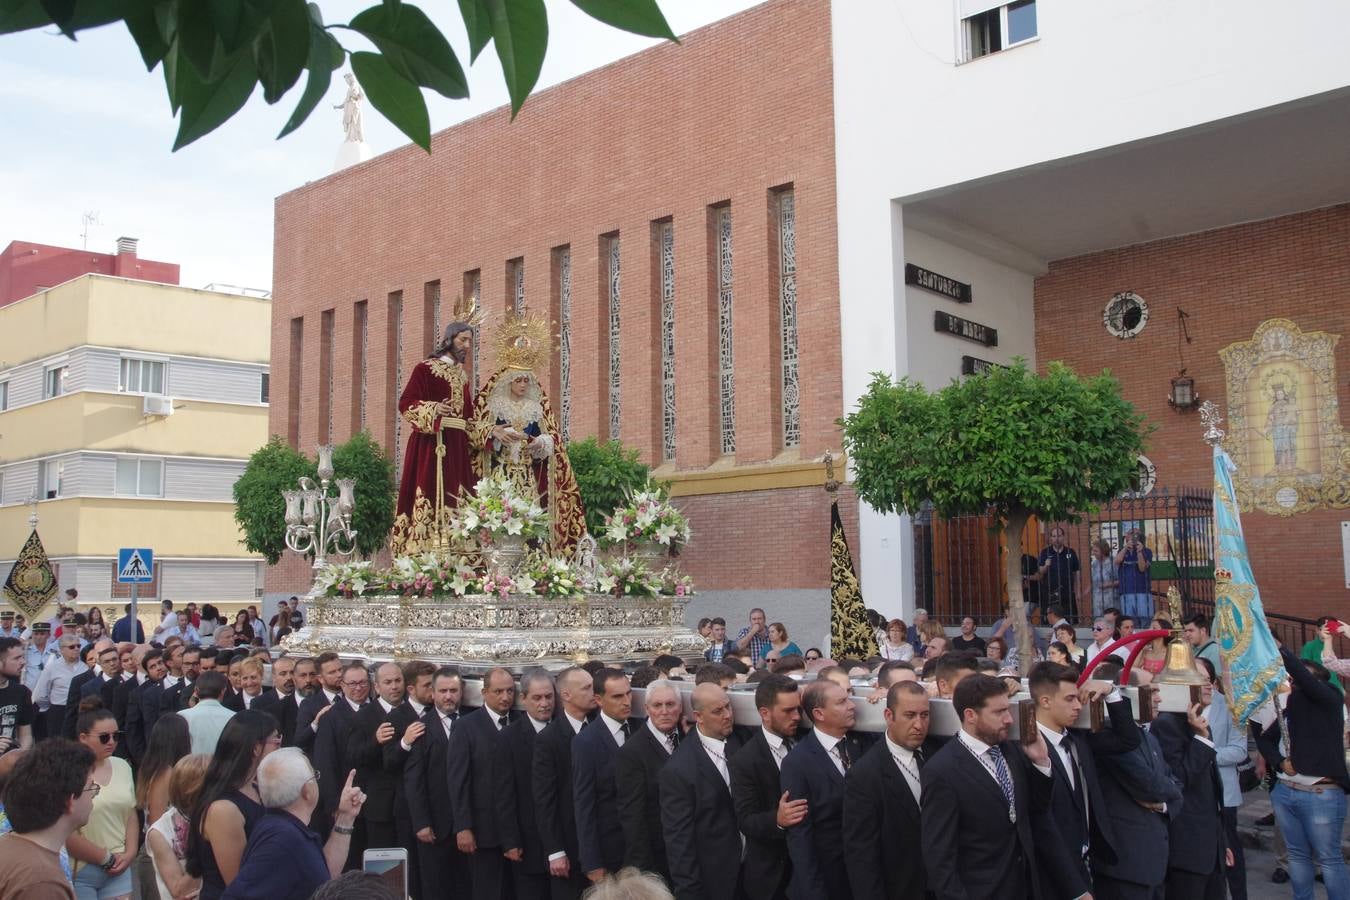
[(515, 432)]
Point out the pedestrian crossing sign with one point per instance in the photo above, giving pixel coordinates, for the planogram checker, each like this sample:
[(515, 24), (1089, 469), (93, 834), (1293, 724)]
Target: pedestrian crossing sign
[(135, 565)]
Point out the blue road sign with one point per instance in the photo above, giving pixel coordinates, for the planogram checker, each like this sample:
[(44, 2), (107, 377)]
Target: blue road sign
[(135, 565)]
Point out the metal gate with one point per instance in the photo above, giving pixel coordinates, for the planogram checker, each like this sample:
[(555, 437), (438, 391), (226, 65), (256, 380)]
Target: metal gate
[(959, 567)]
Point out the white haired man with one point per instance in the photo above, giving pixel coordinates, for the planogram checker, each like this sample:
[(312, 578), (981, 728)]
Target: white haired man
[(283, 858)]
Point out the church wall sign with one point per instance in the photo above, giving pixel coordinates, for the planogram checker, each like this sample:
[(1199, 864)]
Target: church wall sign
[(973, 365), (947, 323), (938, 284)]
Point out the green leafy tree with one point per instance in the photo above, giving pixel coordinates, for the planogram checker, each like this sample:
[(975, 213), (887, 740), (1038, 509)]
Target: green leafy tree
[(276, 466), (606, 474), (1009, 442), (215, 52), (376, 493), (258, 507)]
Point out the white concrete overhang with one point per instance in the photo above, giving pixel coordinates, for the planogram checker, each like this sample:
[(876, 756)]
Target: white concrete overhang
[(1255, 166)]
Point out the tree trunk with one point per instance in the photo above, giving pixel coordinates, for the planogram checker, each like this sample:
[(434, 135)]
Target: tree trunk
[(1013, 528)]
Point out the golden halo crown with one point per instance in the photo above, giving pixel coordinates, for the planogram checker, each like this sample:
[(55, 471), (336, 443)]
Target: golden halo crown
[(468, 310), (1222, 575), (524, 343)]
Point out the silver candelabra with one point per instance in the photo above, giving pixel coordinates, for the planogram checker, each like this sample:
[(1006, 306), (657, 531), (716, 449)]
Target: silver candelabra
[(318, 522)]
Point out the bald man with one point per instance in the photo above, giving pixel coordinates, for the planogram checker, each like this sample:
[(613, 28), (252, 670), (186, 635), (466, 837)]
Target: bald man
[(703, 847)]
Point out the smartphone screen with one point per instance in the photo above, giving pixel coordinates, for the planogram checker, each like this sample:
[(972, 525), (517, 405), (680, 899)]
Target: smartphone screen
[(393, 872)]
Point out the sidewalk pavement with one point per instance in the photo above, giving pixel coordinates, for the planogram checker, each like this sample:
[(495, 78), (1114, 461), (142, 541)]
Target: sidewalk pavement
[(1255, 804)]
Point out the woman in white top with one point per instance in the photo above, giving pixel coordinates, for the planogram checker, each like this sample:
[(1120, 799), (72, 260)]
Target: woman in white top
[(167, 835), (896, 646)]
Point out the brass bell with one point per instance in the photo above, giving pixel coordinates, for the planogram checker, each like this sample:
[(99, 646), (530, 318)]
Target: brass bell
[(1180, 668)]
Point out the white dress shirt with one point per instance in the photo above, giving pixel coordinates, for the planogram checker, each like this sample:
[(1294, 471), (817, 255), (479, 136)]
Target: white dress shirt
[(539, 725), (778, 748), (577, 724), (717, 752), (663, 739), (831, 745), (909, 767), (615, 728), (54, 684)]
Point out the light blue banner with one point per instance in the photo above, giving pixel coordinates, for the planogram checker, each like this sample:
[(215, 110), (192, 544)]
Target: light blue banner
[(1245, 642)]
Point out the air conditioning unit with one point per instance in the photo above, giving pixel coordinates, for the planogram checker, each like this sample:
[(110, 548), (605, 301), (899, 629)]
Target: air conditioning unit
[(157, 405)]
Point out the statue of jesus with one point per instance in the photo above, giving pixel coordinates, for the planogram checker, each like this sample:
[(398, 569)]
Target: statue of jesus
[(437, 464)]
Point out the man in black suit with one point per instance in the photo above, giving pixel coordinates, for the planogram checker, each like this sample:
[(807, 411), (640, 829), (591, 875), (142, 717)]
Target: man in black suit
[(287, 706), (814, 771), (251, 693), (105, 661), (1141, 797), (470, 765), (764, 811), (329, 667), (595, 793), (977, 802), (515, 791), (177, 695), (130, 658), (882, 797), (1197, 848), (636, 771), (143, 706), (552, 783), (1073, 828), (370, 732), (444, 870), (703, 846), (409, 727), (330, 745)]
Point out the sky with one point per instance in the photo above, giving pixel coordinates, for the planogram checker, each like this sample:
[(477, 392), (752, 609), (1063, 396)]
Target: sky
[(87, 130)]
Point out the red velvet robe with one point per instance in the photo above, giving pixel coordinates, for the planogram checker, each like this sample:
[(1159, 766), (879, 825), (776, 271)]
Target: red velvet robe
[(431, 382)]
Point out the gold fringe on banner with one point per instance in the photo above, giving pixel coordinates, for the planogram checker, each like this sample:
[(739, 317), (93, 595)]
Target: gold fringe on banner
[(850, 635), (31, 584)]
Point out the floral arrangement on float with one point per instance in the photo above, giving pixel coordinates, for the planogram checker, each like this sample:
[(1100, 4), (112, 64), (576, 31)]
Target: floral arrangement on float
[(508, 528), (649, 526)]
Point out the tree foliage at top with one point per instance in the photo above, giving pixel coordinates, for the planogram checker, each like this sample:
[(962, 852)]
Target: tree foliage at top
[(214, 53), (277, 466), (606, 474), (1007, 441)]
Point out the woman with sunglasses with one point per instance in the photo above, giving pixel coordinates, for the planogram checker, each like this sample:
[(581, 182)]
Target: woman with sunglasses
[(104, 848), (229, 805)]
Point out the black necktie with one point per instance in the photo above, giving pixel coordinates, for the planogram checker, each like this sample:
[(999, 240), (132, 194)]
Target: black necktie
[(843, 755), (623, 729), (675, 736), (918, 758), (501, 721), (584, 723)]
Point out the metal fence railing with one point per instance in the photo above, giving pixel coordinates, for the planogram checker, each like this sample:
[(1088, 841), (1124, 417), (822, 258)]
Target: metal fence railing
[(959, 567)]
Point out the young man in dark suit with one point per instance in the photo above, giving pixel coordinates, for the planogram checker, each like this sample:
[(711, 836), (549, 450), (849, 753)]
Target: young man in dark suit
[(330, 746), (329, 667), (515, 791), (444, 870), (409, 727), (367, 736), (104, 652), (977, 801), (1197, 848), (703, 847), (143, 704), (814, 771), (636, 771), (882, 796), (763, 809), (172, 700), (470, 763), (552, 783), (595, 793), (1073, 829), (1142, 797)]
